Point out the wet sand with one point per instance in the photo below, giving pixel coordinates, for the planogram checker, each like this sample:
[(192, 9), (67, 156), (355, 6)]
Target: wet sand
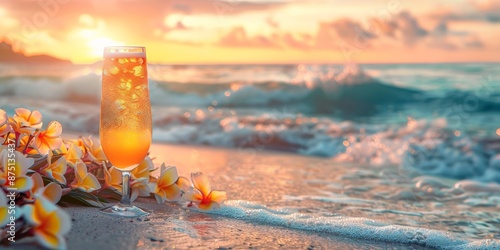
[(251, 174)]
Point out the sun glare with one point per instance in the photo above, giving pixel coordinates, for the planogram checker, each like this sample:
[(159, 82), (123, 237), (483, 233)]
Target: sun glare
[(97, 45)]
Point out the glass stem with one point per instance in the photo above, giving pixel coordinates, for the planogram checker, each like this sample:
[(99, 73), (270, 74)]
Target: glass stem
[(126, 188)]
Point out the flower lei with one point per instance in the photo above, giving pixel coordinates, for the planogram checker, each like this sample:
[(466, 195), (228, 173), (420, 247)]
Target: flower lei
[(38, 170)]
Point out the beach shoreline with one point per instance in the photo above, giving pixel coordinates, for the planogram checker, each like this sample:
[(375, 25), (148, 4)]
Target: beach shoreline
[(174, 226), (276, 191)]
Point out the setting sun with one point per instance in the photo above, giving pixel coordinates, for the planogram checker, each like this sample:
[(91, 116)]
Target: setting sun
[(97, 45), (303, 124), (286, 31)]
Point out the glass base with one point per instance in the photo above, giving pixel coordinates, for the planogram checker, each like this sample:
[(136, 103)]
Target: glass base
[(120, 210)]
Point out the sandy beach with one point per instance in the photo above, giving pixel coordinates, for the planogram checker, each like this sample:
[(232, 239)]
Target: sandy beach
[(305, 124), (260, 176), (288, 201)]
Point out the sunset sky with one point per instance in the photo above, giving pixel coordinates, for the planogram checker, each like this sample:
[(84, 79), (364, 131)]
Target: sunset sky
[(258, 31)]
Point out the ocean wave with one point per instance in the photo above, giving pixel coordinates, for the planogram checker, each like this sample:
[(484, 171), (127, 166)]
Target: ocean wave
[(418, 146), (268, 116), (350, 92), (359, 228), (85, 88)]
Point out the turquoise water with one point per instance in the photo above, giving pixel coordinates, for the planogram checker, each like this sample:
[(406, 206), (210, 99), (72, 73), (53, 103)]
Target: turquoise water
[(408, 145)]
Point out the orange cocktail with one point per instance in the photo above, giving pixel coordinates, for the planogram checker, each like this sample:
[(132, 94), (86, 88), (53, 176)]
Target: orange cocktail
[(125, 128)]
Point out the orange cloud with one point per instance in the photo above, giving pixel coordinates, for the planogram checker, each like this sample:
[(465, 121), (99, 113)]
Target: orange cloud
[(292, 42), (402, 30), (237, 37), (223, 7), (477, 11), (232, 30)]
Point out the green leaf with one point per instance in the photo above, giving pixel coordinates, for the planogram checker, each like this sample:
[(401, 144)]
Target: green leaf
[(79, 200), (109, 193), (83, 198), (41, 161), (48, 180)]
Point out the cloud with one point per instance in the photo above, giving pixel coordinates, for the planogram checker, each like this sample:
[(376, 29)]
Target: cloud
[(442, 44), (271, 22), (223, 7), (441, 29), (387, 28), (348, 29), (402, 29), (7, 21), (125, 19), (443, 38), (473, 42), (402, 26), (174, 24), (493, 17), (409, 28), (197, 23), (439, 37), (151, 8), (481, 11), (290, 41), (238, 37), (455, 42), (490, 9), (329, 34)]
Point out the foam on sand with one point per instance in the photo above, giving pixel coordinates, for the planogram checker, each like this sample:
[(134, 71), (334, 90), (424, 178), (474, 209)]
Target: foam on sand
[(359, 228)]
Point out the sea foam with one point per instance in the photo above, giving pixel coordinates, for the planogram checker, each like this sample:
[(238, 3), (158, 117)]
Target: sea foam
[(308, 113), (359, 228)]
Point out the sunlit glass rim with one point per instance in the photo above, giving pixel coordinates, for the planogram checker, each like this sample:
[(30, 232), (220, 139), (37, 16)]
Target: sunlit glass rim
[(113, 51)]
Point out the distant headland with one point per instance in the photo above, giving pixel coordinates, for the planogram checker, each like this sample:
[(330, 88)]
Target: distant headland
[(8, 55)]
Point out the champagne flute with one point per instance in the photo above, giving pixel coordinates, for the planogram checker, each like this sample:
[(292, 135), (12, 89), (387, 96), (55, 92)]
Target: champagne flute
[(125, 126)]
